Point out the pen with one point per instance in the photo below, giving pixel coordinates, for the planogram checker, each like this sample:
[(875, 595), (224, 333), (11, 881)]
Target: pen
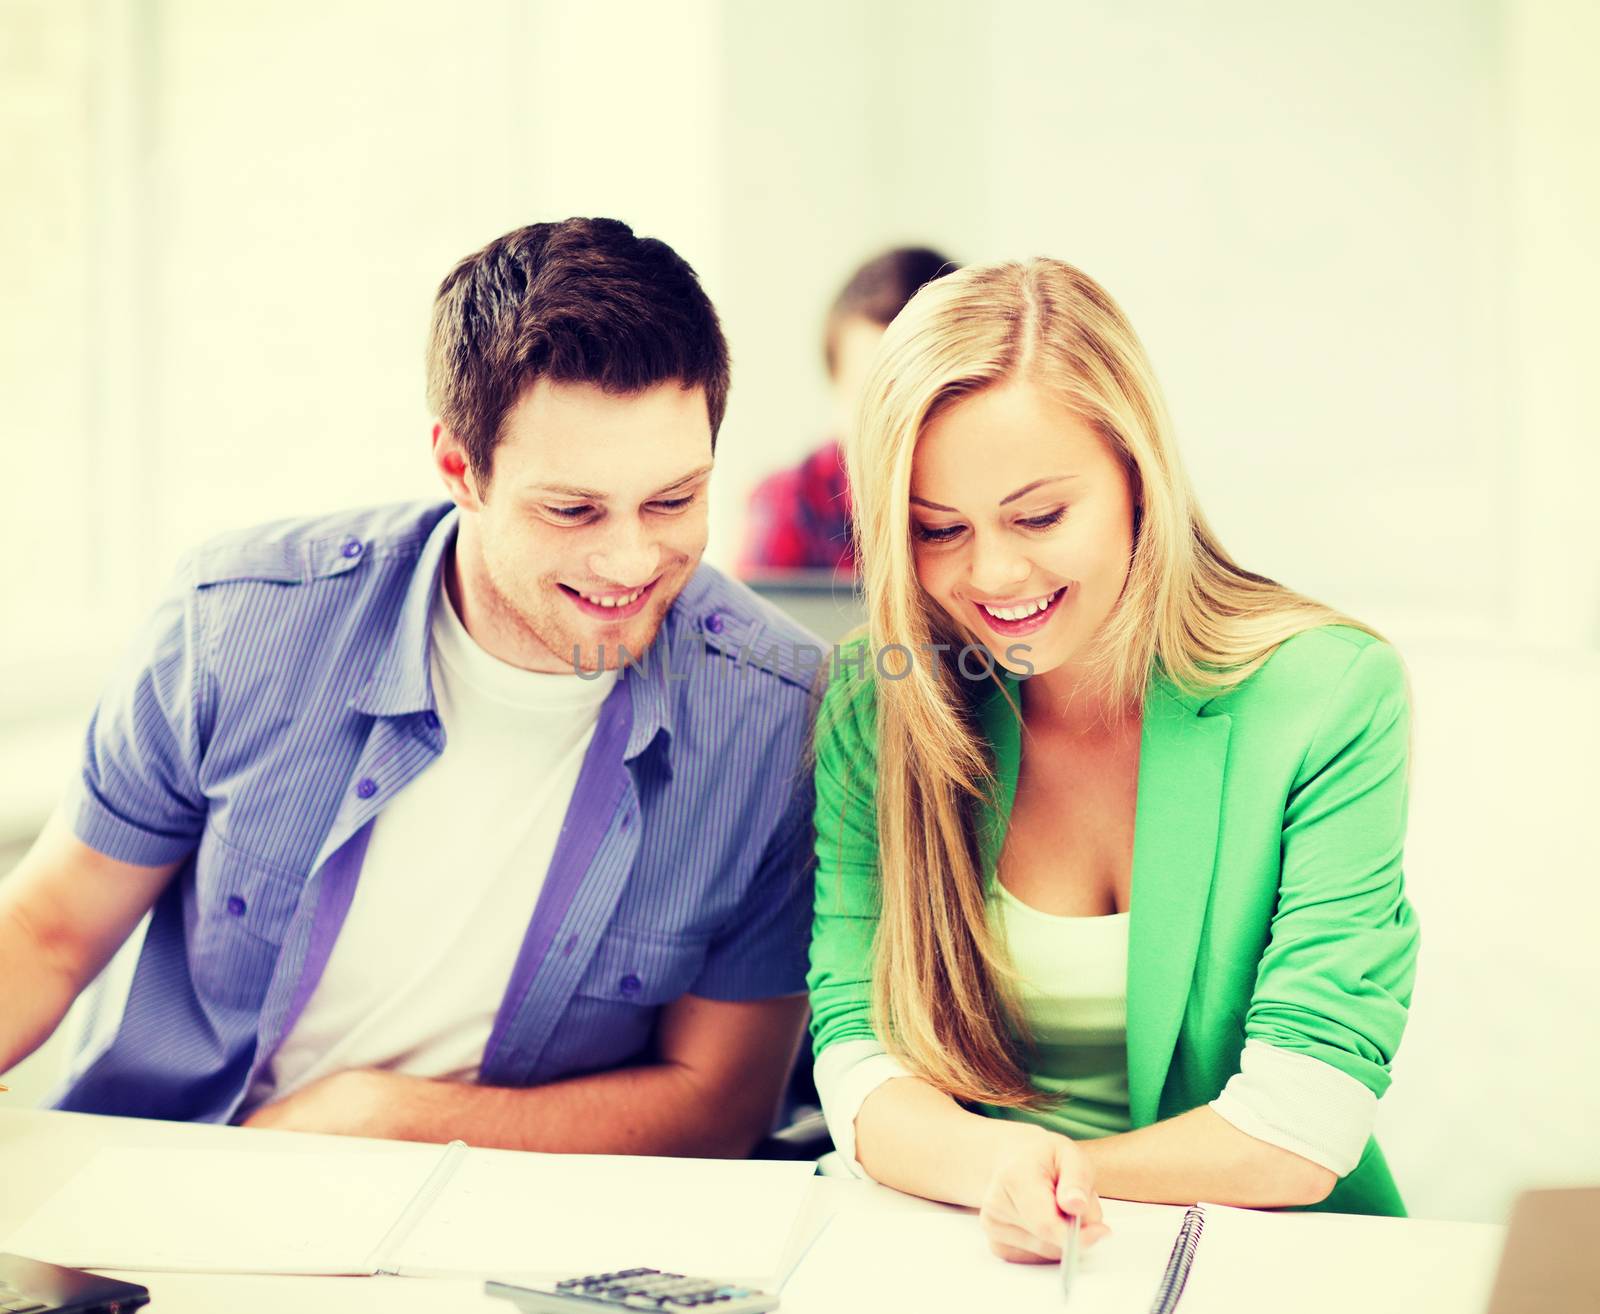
[(1069, 1254)]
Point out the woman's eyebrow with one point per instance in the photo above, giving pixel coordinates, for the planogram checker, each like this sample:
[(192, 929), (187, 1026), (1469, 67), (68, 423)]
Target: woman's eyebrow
[(1010, 497), (1037, 483)]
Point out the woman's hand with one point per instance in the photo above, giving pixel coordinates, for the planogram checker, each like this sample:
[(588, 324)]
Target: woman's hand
[(1039, 1177)]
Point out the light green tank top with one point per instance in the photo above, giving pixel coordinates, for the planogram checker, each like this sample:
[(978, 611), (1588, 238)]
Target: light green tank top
[(1074, 996)]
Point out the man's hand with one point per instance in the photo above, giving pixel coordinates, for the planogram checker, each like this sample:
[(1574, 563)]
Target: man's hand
[(1038, 1179), (357, 1102)]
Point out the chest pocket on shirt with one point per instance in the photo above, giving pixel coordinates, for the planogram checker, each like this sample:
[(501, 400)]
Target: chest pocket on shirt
[(243, 908), (612, 1014), (637, 967)]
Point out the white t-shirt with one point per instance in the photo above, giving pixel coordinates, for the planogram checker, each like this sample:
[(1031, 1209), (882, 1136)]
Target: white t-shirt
[(453, 869)]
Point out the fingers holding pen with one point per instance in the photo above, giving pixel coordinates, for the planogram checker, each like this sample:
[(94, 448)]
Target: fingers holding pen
[(1038, 1182)]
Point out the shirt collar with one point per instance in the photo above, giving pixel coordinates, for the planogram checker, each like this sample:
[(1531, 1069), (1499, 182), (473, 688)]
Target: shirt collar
[(400, 685)]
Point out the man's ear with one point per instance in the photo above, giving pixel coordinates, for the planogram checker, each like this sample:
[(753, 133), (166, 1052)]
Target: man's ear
[(450, 460)]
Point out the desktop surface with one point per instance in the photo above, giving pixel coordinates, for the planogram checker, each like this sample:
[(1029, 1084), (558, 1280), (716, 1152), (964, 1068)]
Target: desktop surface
[(42, 1149)]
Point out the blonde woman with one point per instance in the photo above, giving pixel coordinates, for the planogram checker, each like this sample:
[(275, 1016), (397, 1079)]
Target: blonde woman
[(1109, 829)]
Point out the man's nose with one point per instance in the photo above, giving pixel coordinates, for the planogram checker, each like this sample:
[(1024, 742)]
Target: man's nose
[(628, 558)]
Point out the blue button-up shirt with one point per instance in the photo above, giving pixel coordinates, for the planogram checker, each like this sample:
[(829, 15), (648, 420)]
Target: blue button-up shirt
[(280, 698)]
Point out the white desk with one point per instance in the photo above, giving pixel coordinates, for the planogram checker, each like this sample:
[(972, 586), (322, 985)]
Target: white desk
[(39, 1150)]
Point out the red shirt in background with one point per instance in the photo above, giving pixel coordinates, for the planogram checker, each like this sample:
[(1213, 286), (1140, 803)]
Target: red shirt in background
[(799, 519)]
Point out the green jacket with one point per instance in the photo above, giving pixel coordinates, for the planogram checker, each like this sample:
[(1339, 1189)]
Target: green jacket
[(1267, 899)]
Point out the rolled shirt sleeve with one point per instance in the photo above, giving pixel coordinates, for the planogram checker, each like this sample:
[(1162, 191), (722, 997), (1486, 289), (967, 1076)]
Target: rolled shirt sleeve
[(845, 1075), (1299, 1104), (138, 798)]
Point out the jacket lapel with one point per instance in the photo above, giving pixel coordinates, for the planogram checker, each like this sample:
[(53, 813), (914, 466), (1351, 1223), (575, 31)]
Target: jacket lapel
[(1182, 756)]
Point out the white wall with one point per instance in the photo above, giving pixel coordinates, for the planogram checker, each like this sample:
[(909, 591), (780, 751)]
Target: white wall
[(1290, 203), (1355, 240), (1553, 286), (1302, 215), (1494, 1086)]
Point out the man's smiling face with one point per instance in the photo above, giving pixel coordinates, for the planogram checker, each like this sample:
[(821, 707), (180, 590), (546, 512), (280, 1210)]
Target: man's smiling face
[(592, 522)]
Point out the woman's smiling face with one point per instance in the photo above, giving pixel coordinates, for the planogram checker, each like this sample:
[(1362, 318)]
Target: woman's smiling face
[(1021, 524)]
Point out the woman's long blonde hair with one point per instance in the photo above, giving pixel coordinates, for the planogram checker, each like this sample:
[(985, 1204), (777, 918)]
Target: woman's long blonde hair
[(941, 985)]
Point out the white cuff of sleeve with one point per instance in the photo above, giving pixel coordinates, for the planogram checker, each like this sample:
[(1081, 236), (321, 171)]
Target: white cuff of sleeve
[(1299, 1104), (846, 1073)]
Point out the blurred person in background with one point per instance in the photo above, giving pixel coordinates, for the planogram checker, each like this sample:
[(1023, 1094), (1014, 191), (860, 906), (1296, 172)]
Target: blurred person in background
[(799, 518), (398, 841)]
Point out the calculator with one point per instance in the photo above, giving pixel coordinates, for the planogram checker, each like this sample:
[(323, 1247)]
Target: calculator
[(635, 1288)]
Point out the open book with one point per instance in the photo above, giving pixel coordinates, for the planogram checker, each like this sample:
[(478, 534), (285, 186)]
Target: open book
[(417, 1210), (1159, 1259)]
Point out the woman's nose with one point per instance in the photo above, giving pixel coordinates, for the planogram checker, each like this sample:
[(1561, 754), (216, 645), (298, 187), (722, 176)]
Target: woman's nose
[(996, 565)]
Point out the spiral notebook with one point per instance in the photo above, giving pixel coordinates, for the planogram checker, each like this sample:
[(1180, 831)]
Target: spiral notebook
[(1159, 1259), (372, 1207), (1180, 1260)]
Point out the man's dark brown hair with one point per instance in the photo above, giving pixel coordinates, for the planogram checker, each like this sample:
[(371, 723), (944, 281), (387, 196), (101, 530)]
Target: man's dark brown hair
[(580, 301), (879, 290)]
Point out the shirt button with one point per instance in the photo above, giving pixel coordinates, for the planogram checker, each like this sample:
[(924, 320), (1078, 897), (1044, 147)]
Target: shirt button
[(714, 622), (366, 787), (236, 905), (630, 984), (351, 548), (431, 720)]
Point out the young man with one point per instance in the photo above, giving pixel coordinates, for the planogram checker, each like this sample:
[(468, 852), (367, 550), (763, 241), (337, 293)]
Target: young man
[(456, 820)]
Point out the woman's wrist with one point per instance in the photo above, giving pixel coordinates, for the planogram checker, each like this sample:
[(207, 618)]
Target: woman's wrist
[(983, 1144), (917, 1139)]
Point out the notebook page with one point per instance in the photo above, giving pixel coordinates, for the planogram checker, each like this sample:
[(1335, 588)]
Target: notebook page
[(874, 1261), (505, 1213), (207, 1211), (1314, 1263)]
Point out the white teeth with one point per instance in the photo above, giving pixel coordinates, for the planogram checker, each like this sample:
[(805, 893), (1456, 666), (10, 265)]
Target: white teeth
[(621, 601), (1022, 610)]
